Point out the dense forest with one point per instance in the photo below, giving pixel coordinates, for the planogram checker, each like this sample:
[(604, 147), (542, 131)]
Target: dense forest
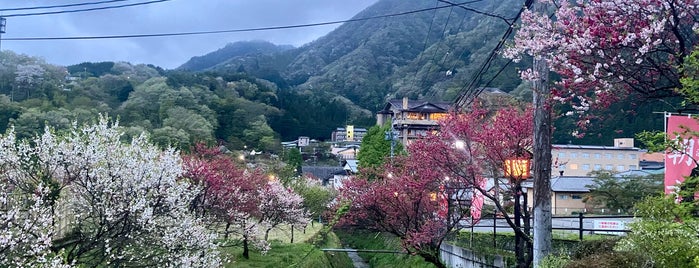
[(176, 108), (257, 94)]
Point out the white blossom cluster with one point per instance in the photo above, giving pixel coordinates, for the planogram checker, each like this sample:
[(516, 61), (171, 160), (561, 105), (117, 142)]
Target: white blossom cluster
[(123, 204)]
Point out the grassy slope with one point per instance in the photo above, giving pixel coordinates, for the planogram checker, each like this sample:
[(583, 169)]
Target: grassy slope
[(360, 239), (299, 254)]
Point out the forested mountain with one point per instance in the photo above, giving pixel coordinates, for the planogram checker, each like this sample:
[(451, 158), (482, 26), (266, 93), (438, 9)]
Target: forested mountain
[(256, 93), (370, 61)]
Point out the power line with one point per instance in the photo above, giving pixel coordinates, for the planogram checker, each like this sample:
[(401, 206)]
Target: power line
[(441, 38), (468, 93), (424, 46), (60, 6), (83, 10), (224, 31)]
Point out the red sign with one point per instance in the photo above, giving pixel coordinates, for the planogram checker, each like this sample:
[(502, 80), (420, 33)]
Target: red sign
[(679, 163)]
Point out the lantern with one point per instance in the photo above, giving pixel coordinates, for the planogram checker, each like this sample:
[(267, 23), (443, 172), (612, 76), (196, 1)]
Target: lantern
[(517, 168)]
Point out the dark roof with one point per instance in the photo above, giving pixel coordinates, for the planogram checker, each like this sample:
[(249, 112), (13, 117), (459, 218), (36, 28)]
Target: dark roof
[(567, 184), (651, 165), (592, 147), (416, 105), (321, 172)]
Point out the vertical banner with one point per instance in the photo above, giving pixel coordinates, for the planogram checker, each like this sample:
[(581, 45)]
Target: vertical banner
[(679, 163), (477, 202)]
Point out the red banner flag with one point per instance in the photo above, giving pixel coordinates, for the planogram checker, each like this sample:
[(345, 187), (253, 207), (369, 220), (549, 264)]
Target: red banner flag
[(679, 163)]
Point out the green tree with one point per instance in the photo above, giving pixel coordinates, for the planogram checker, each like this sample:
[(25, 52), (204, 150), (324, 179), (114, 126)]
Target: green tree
[(622, 193), (316, 197), (8, 110), (665, 232), (261, 136), (375, 147), (294, 159)]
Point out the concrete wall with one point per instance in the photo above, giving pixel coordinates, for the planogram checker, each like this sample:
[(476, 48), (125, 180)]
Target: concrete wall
[(458, 257)]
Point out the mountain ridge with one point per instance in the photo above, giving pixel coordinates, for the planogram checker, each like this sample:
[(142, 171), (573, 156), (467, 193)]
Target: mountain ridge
[(370, 61)]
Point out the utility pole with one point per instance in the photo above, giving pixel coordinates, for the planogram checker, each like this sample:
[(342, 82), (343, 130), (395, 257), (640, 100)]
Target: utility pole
[(3, 23), (542, 154)]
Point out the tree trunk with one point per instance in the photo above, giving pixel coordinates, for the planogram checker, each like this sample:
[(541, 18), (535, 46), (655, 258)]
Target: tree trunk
[(292, 234), (228, 225), (542, 156), (267, 233), (246, 247)]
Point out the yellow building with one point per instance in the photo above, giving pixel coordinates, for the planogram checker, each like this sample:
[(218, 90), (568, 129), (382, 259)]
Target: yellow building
[(580, 160)]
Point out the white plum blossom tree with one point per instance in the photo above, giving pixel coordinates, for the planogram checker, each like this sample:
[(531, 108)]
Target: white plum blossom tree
[(281, 205), (113, 203)]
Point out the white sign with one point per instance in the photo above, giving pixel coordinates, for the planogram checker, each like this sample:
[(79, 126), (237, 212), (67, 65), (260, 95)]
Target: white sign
[(614, 226), (303, 141)]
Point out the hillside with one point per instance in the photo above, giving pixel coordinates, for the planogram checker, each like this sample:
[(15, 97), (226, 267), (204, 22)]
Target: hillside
[(369, 61), (256, 94)]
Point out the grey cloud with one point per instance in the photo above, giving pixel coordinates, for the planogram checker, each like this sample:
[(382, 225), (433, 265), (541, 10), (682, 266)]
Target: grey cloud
[(167, 17)]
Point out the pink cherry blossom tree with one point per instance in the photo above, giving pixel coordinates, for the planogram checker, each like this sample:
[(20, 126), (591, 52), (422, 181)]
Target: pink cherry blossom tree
[(430, 193), (231, 194), (605, 50), (243, 200)]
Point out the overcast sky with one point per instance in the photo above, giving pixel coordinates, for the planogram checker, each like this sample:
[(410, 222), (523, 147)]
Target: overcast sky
[(165, 17)]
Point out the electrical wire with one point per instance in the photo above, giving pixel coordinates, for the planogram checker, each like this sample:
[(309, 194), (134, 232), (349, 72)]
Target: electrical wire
[(60, 6), (424, 45), (441, 38), (83, 10), (222, 31), (468, 92)]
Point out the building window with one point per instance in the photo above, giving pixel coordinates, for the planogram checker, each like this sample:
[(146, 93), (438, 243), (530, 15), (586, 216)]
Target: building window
[(598, 156), (437, 116), (561, 155), (633, 167), (414, 116), (563, 197), (620, 156), (598, 166), (620, 168), (608, 156), (573, 166), (576, 196), (608, 167), (632, 156), (573, 155), (585, 155), (586, 166)]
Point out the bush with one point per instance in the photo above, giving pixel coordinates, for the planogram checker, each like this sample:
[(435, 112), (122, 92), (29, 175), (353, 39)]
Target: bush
[(594, 247), (554, 261), (610, 259)]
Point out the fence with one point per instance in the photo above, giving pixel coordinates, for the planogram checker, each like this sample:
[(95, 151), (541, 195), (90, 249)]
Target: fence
[(580, 225)]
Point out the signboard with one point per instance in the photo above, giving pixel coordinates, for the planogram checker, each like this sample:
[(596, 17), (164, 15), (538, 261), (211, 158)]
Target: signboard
[(614, 227), (303, 141), (679, 163), (350, 133)]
